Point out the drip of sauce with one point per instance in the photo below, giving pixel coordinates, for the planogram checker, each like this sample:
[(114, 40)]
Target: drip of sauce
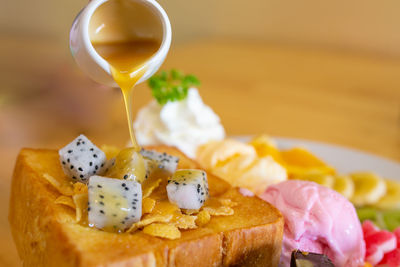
[(128, 65), (126, 35), (114, 204)]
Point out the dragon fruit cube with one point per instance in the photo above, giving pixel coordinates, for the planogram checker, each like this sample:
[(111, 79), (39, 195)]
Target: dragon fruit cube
[(81, 159), (114, 204)]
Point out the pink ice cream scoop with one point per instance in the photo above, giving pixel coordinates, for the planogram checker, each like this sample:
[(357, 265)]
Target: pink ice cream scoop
[(319, 220)]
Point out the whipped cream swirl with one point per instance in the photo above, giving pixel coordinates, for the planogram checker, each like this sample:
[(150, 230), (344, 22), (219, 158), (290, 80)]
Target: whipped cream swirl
[(185, 124)]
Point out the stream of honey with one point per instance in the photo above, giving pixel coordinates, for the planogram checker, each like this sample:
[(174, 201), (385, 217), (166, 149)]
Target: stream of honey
[(128, 64), (126, 34)]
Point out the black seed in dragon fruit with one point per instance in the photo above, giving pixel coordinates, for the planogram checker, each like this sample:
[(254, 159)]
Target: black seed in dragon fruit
[(114, 204), (150, 165), (81, 159), (188, 188), (163, 161)]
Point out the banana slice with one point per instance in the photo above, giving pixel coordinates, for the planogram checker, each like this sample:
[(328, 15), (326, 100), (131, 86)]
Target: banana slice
[(294, 172), (322, 179), (344, 185), (392, 198), (368, 188)]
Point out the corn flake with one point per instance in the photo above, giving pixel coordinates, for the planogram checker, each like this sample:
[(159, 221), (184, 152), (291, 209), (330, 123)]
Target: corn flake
[(65, 188), (149, 186), (215, 202), (166, 208), (66, 201), (183, 221), (220, 211), (227, 202), (203, 218), (148, 205), (163, 212), (162, 230), (149, 219), (81, 204), (80, 188), (189, 212), (216, 207)]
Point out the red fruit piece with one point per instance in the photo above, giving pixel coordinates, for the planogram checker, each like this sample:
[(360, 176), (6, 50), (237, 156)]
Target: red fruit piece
[(397, 234), (391, 259), (368, 228), (373, 254), (384, 240)]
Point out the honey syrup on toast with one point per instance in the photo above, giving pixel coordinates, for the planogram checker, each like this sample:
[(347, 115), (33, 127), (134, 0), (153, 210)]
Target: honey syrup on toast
[(128, 65), (126, 36)]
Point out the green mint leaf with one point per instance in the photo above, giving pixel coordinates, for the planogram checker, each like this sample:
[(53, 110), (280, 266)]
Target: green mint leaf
[(171, 86), (191, 79), (177, 75)]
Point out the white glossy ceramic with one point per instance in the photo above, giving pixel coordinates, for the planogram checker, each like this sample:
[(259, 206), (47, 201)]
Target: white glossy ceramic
[(92, 63)]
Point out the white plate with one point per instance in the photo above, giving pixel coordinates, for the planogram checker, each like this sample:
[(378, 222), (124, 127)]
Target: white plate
[(344, 159)]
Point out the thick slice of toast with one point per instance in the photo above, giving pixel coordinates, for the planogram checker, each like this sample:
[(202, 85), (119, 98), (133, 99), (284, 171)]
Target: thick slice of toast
[(46, 233)]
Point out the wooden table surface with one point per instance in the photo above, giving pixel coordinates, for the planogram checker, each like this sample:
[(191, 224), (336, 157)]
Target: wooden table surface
[(326, 95)]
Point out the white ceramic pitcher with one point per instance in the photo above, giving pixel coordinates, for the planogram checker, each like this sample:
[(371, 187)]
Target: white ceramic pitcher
[(93, 64)]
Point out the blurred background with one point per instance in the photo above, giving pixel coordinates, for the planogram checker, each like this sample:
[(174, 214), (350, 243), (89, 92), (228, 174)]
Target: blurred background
[(321, 70), (365, 25)]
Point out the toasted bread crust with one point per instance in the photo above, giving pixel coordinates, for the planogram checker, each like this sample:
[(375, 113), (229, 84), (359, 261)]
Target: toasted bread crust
[(35, 230), (46, 234)]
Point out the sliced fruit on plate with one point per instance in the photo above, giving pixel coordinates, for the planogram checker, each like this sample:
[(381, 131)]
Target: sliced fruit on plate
[(391, 200), (344, 185), (301, 157), (369, 228), (216, 154), (325, 180), (300, 161), (369, 188), (384, 240), (265, 146), (391, 259), (297, 161), (397, 234), (295, 171), (378, 242), (239, 164), (386, 219), (373, 254)]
